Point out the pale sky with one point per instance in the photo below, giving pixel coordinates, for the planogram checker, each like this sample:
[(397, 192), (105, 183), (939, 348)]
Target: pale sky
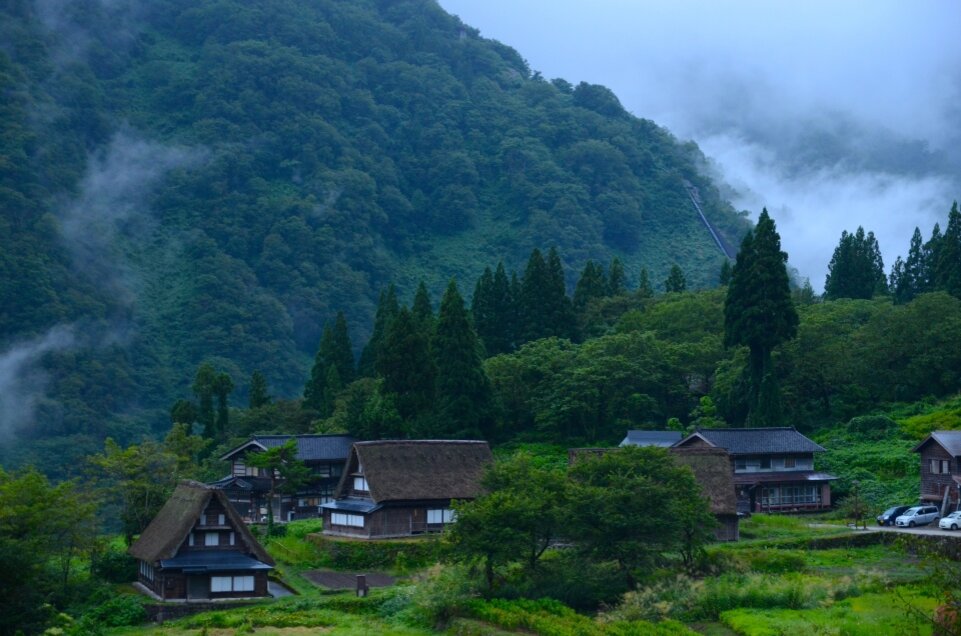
[(830, 114)]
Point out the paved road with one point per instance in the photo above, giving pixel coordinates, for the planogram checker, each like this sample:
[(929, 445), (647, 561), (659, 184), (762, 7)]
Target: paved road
[(931, 529)]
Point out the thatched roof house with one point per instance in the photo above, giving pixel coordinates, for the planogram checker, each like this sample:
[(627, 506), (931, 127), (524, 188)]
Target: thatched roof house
[(404, 487), (198, 548), (712, 470)]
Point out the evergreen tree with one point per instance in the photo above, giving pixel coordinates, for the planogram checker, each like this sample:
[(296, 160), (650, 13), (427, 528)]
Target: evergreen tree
[(856, 269), (592, 284), (616, 279), (560, 311), (910, 277), (334, 351), (423, 312), (203, 388), (482, 309), (333, 385), (675, 280), (386, 310), (931, 251), (223, 387), (258, 391), (463, 394), (725, 276), (947, 265), (406, 366), (644, 288), (759, 314), (532, 305), (184, 412), (902, 291), (504, 310)]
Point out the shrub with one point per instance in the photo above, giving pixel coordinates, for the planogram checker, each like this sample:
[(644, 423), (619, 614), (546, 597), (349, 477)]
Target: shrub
[(119, 611), (776, 561), (114, 566)]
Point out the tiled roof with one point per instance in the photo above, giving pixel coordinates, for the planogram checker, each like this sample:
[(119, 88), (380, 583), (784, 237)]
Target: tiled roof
[(651, 438), (949, 440), (750, 441), (781, 477), (309, 447), (213, 561)]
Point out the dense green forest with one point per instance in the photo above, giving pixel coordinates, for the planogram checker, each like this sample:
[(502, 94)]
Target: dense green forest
[(188, 181)]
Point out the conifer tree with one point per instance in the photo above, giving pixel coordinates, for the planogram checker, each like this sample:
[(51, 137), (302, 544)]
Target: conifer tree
[(616, 279), (947, 266), (504, 311), (759, 314), (482, 309), (406, 366), (462, 390), (931, 252), (560, 311), (724, 278), (592, 284), (644, 288), (334, 351), (184, 412), (675, 280), (856, 269), (532, 305), (910, 277), (258, 391), (422, 310), (223, 387), (386, 310), (203, 388)]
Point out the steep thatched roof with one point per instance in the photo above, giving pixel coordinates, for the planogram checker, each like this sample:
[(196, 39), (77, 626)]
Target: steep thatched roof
[(712, 470), (408, 470), (168, 530)]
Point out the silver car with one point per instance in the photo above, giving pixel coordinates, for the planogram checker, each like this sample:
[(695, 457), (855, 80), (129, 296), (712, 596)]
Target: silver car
[(917, 516)]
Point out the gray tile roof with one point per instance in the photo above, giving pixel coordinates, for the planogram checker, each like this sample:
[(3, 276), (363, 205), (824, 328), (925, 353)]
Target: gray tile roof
[(949, 440), (213, 561), (352, 504), (751, 441), (651, 438), (309, 447)]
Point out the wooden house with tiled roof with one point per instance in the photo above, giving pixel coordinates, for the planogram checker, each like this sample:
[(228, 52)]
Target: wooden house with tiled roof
[(941, 469), (773, 467), (198, 548), (404, 487)]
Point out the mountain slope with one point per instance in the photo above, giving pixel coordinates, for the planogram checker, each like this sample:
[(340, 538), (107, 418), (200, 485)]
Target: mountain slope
[(214, 179)]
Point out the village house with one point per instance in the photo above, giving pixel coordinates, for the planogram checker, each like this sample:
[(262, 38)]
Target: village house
[(248, 488), (403, 488), (773, 467), (198, 548), (941, 469)]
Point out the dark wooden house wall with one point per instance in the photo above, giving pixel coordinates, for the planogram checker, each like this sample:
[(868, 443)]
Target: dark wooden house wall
[(932, 484)]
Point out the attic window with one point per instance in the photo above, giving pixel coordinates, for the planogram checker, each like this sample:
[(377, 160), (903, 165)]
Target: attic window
[(360, 484)]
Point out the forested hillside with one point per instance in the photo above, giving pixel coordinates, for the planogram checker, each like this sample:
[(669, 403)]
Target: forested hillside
[(214, 180)]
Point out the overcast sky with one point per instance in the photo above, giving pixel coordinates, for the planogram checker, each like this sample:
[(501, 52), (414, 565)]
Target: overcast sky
[(831, 114)]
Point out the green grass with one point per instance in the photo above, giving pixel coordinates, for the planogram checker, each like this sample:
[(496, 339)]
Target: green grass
[(905, 611), (770, 527)]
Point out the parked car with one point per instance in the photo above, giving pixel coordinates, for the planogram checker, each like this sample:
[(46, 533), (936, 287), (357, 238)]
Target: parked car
[(951, 522), (917, 516), (887, 517)]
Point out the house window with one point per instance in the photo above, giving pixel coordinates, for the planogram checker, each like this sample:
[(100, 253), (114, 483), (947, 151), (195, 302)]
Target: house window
[(789, 462), (440, 515), (740, 464), (341, 519), (146, 570), (360, 484), (935, 466), (765, 463), (323, 470), (231, 584), (221, 520), (190, 539), (945, 467), (233, 538), (211, 538)]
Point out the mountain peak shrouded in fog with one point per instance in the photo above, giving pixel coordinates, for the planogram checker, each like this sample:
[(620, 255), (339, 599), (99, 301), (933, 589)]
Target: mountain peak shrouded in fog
[(832, 115)]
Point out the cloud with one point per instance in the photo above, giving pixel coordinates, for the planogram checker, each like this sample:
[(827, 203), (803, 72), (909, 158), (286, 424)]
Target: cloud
[(830, 114), (113, 203), (23, 381)]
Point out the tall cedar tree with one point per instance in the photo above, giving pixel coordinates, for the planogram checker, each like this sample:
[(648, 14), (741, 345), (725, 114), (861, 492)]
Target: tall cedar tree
[(334, 351), (504, 309), (910, 277), (947, 267), (422, 311), (532, 302), (203, 388), (644, 288), (725, 275), (463, 393), (406, 366), (591, 285), (675, 280), (759, 314), (482, 309), (258, 391), (616, 279), (560, 309), (931, 251), (223, 387), (856, 269), (387, 308)]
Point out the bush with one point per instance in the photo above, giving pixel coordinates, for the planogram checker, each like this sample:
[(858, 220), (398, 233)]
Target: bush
[(383, 554), (119, 611), (775, 561), (114, 566)]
